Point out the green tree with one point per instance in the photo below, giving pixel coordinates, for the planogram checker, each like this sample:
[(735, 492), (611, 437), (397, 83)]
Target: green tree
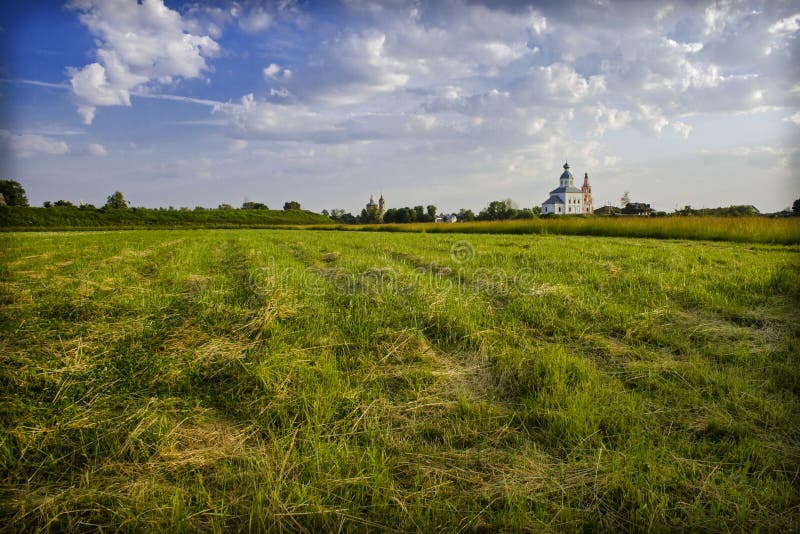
[(796, 207), (466, 215), (64, 203), (13, 193), (47, 204), (431, 213), (116, 202), (369, 216), (390, 216), (224, 207), (291, 205), (497, 210), (254, 206), (524, 213)]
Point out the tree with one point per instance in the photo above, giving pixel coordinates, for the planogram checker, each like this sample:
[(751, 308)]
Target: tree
[(254, 206), (524, 213), (291, 205), (13, 193), (431, 212), (419, 214), (466, 215), (224, 207), (370, 216), (47, 204), (325, 213), (390, 216), (625, 200), (64, 203), (116, 202), (796, 207), (497, 210)]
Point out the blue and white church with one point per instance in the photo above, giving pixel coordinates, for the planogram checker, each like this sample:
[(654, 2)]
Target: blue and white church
[(567, 199)]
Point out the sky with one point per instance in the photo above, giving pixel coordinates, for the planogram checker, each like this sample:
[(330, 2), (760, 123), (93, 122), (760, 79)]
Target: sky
[(450, 102)]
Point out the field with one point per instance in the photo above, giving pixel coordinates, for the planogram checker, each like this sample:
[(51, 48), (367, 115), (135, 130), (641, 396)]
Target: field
[(784, 231), (316, 380)]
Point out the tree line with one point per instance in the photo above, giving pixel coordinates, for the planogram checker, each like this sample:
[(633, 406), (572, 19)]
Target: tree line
[(498, 210), (13, 194)]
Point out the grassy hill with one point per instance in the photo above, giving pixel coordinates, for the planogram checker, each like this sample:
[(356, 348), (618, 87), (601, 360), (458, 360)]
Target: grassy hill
[(29, 218)]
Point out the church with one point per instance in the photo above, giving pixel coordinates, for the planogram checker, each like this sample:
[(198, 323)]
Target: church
[(379, 209), (567, 199)]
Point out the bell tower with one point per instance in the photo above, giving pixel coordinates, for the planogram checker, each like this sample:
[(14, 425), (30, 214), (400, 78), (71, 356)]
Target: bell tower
[(381, 208), (586, 189)]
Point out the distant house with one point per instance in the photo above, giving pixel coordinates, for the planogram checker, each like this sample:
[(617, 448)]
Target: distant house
[(608, 210), (452, 218), (637, 208)]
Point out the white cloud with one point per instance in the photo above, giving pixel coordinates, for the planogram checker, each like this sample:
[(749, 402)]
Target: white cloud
[(237, 145), (786, 26), (274, 71), (538, 23), (138, 44), (653, 116), (764, 156), (555, 84), (536, 125), (96, 149), (794, 118), (27, 145), (256, 20), (682, 129), (609, 118)]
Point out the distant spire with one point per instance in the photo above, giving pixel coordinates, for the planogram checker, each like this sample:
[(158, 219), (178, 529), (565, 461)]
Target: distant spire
[(586, 178), (566, 165)]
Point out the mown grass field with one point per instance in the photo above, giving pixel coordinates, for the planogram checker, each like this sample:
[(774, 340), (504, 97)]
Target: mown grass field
[(301, 380)]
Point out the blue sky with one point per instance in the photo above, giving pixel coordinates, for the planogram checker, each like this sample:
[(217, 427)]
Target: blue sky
[(453, 102)]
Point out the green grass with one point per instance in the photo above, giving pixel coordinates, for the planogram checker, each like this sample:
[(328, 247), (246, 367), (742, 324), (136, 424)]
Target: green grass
[(304, 380), (784, 231), (66, 218)]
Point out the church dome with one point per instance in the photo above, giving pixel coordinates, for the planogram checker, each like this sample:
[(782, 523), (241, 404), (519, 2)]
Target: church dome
[(566, 175)]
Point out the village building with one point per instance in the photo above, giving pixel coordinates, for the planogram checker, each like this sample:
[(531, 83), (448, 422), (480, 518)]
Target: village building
[(567, 199), (607, 210), (637, 208)]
